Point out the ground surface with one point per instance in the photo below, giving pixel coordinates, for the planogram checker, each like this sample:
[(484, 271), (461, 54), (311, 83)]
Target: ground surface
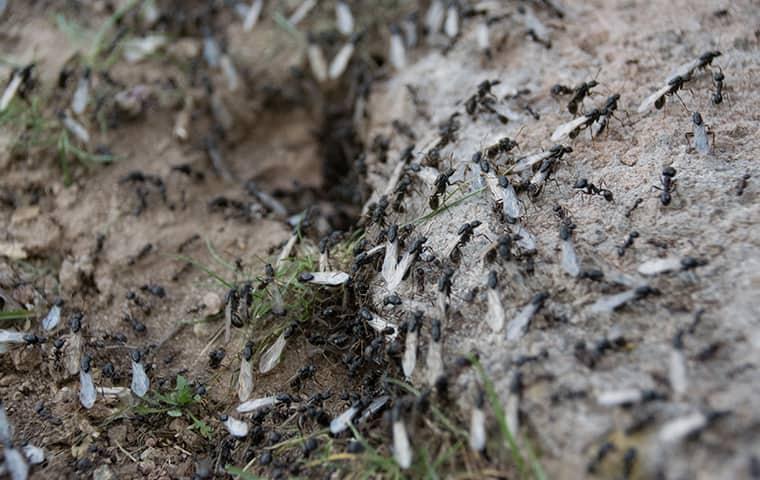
[(629, 47)]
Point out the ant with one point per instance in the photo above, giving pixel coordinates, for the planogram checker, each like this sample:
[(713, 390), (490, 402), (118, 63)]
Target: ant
[(668, 184), (588, 188), (718, 78), (440, 184)]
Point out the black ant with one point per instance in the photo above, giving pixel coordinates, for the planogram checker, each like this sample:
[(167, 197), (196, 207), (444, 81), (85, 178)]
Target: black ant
[(590, 189), (440, 184), (668, 184)]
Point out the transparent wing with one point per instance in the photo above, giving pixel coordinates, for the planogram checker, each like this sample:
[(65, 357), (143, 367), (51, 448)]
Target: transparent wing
[(86, 390), (519, 325), (496, 315), (477, 430), (340, 423), (570, 263), (402, 450), (526, 162), (684, 70), (330, 279), (409, 360), (140, 381), (609, 303), (659, 265), (237, 428), (52, 319), (11, 336), (271, 357), (245, 380)]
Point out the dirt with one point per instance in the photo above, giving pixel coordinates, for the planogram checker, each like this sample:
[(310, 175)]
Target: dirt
[(81, 240)]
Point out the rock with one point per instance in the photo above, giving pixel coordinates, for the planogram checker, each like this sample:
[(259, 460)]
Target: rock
[(212, 302), (103, 472), (117, 435)]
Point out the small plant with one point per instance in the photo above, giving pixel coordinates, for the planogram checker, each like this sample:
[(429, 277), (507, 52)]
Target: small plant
[(176, 403)]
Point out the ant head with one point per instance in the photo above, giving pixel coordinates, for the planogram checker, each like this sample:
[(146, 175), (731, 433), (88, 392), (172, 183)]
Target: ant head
[(696, 117), (592, 84), (709, 56), (580, 183)]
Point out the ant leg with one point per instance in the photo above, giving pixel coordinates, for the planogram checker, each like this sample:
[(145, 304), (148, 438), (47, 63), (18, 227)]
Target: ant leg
[(682, 103)]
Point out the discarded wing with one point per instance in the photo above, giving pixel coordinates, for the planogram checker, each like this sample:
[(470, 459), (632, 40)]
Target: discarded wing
[(677, 372), (16, 465), (609, 303), (86, 389), (525, 239), (451, 25), (12, 336), (211, 51), (397, 52), (245, 379), (340, 62), (34, 455), (435, 16), (252, 16), (402, 449), (477, 429), (512, 412), (496, 315), (570, 263), (137, 48), (6, 431), (434, 361), (52, 319), (10, 90), (510, 202), (676, 430), (390, 261), (660, 265), (340, 423), (257, 404), (519, 325), (76, 129), (615, 398), (330, 279), (73, 353), (409, 360), (271, 357), (237, 428), (81, 94), (381, 325), (345, 19), (317, 62), (140, 382), (482, 35), (230, 73), (301, 12)]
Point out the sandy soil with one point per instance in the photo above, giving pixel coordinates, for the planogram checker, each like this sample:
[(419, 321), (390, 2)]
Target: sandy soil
[(81, 242)]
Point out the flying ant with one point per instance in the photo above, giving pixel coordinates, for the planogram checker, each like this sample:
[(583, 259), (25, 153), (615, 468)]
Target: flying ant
[(440, 184)]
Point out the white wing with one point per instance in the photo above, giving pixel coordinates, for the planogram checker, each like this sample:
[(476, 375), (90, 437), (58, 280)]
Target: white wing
[(10, 91), (651, 99), (271, 357), (530, 160), (684, 70), (35, 455), (140, 381), (659, 265), (566, 128), (482, 36), (477, 430), (302, 11), (510, 202), (256, 403), (81, 95), (86, 390), (252, 16), (374, 407), (52, 319), (340, 423), (397, 52), (700, 139), (525, 239), (11, 336), (16, 465), (609, 303), (434, 16), (379, 325), (5, 427), (390, 261), (512, 413), (619, 397), (434, 361), (495, 316), (451, 27), (340, 62), (237, 428), (317, 62), (680, 428), (402, 450), (519, 325), (570, 262), (245, 380), (330, 279), (409, 360), (344, 18), (677, 372)]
